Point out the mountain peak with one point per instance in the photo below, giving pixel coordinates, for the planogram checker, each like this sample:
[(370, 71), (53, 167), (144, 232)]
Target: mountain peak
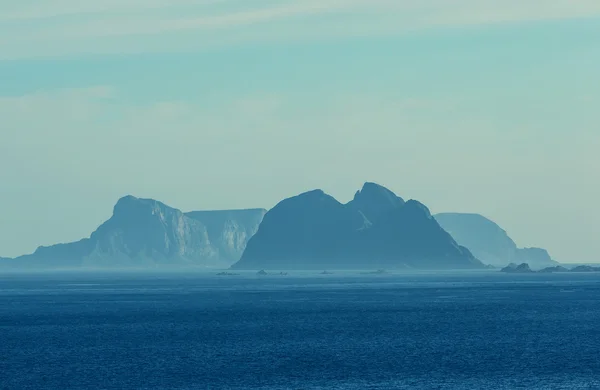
[(309, 199), (374, 191), (374, 200), (132, 206), (317, 192), (130, 199), (376, 229), (145, 232)]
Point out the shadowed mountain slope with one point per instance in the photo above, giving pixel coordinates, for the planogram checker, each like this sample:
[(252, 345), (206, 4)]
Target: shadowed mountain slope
[(377, 229)]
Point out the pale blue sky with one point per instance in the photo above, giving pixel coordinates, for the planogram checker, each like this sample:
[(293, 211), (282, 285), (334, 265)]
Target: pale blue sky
[(467, 105)]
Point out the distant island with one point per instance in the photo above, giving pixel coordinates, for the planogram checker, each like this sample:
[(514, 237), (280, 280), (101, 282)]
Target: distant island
[(145, 233), (585, 268), (489, 242), (377, 229), (310, 231), (513, 268), (525, 269), (378, 272)]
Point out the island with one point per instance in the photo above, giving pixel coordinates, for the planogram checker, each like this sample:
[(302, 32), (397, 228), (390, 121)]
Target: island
[(376, 230)]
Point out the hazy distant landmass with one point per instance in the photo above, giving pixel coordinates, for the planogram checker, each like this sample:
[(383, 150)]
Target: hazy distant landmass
[(585, 268), (377, 229), (536, 257), (489, 242), (524, 268), (146, 233), (558, 268)]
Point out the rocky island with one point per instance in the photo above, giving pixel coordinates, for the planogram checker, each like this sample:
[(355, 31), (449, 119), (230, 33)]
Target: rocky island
[(517, 269), (377, 229), (145, 233), (585, 268), (489, 242), (524, 268), (558, 268)]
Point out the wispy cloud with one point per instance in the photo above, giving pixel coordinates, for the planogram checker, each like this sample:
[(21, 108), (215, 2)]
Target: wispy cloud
[(58, 8), (67, 27)]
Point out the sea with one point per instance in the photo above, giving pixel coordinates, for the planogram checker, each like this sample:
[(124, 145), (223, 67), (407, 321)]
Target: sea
[(199, 330)]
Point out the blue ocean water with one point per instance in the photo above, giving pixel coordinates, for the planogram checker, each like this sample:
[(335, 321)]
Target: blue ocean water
[(482, 330)]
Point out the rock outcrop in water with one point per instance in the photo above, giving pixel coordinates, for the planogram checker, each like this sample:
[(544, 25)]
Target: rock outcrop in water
[(585, 268), (549, 270), (146, 233), (489, 242), (524, 268), (377, 229), (517, 269)]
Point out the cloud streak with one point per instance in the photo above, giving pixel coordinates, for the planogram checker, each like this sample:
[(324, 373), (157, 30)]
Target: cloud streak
[(67, 27)]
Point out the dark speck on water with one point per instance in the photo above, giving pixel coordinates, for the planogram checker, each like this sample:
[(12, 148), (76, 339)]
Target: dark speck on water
[(480, 330)]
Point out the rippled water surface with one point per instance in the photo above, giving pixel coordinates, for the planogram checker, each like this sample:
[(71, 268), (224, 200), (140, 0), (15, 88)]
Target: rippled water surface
[(481, 330)]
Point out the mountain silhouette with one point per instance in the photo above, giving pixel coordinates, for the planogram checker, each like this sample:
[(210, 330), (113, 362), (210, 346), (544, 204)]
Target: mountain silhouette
[(377, 229), (489, 242), (147, 233)]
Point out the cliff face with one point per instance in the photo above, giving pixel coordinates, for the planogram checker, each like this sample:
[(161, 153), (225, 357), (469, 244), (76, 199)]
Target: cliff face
[(535, 257), (147, 233), (489, 242), (229, 230), (376, 229)]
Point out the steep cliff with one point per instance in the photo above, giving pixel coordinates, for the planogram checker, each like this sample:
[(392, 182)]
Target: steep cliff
[(146, 233), (535, 257), (229, 230)]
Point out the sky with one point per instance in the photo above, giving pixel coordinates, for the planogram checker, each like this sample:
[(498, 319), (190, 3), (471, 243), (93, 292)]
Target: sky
[(480, 106)]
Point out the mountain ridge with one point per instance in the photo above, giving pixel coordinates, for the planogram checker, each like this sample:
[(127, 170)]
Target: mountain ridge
[(145, 233), (376, 229), (489, 242)]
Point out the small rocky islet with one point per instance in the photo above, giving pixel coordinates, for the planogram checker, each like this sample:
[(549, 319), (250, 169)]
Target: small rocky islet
[(524, 268)]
